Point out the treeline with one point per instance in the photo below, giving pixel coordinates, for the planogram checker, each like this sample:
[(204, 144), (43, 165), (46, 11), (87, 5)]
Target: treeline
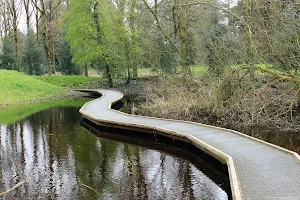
[(117, 37), (40, 48)]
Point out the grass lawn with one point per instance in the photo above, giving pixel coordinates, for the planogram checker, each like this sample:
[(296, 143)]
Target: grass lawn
[(198, 70), (16, 87), (74, 81), (12, 114)]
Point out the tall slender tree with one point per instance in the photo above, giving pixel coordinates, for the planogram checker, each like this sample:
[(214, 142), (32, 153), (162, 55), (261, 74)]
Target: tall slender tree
[(14, 11)]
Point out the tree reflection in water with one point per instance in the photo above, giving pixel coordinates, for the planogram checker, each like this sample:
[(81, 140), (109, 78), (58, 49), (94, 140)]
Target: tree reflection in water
[(56, 156)]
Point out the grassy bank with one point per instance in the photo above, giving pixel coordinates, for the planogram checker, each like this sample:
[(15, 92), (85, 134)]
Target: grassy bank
[(16, 88), (12, 114), (74, 81)]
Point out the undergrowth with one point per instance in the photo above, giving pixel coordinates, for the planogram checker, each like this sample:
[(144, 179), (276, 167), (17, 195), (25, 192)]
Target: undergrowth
[(228, 100)]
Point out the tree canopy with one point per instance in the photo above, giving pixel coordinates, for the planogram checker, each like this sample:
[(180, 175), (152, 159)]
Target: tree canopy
[(117, 37)]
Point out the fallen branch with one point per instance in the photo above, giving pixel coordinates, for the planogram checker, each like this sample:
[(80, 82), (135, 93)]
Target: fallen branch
[(13, 188)]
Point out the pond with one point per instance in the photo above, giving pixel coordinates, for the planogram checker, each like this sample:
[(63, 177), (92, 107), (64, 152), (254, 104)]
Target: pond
[(45, 147)]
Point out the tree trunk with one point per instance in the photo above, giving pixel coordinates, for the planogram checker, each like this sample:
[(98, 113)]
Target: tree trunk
[(51, 41), (249, 42), (45, 36), (3, 20), (127, 59), (133, 39), (14, 14), (27, 12), (109, 75), (125, 38), (184, 56), (16, 39), (36, 19), (86, 72), (8, 20)]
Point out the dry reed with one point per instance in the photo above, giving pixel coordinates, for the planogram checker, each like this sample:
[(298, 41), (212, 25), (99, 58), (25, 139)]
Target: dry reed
[(230, 99)]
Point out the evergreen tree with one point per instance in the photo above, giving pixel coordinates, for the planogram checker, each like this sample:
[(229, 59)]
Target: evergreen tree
[(7, 55), (32, 56), (65, 58)]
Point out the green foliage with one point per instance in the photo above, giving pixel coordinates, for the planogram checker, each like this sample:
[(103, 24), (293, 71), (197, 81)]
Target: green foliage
[(65, 58), (83, 37), (101, 37), (160, 55), (33, 59), (218, 42), (7, 54), (19, 88), (74, 81), (91, 40), (167, 62)]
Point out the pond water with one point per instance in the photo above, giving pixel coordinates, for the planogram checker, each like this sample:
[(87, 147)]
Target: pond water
[(59, 159)]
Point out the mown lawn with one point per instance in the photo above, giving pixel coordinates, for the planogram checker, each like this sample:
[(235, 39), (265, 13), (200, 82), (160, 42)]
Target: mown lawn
[(74, 81), (17, 87)]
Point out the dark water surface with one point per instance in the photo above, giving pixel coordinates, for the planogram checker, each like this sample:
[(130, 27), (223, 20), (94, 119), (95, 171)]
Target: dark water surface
[(289, 140), (59, 159)]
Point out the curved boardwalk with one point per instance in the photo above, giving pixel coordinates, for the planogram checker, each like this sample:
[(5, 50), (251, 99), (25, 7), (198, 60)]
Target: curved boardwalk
[(257, 170)]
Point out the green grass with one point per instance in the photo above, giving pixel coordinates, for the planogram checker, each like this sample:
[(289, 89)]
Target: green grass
[(198, 70), (145, 71), (195, 69), (12, 114), (74, 81), (16, 88)]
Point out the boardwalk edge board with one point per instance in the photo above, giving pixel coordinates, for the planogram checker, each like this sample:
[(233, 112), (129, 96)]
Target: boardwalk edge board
[(219, 155)]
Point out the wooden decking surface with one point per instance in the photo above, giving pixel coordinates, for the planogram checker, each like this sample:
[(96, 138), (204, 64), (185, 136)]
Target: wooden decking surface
[(257, 170)]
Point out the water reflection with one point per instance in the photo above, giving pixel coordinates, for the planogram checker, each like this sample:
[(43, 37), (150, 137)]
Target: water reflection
[(59, 159), (286, 139)]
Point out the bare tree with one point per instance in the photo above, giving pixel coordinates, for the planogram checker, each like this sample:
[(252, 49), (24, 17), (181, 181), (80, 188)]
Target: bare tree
[(26, 4), (5, 19), (14, 11), (37, 17), (180, 9), (2, 22), (45, 14)]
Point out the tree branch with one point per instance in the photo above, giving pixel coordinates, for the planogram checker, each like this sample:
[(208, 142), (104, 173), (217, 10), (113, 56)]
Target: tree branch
[(160, 27)]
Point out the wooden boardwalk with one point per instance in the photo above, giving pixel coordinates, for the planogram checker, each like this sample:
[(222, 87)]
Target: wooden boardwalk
[(257, 170)]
